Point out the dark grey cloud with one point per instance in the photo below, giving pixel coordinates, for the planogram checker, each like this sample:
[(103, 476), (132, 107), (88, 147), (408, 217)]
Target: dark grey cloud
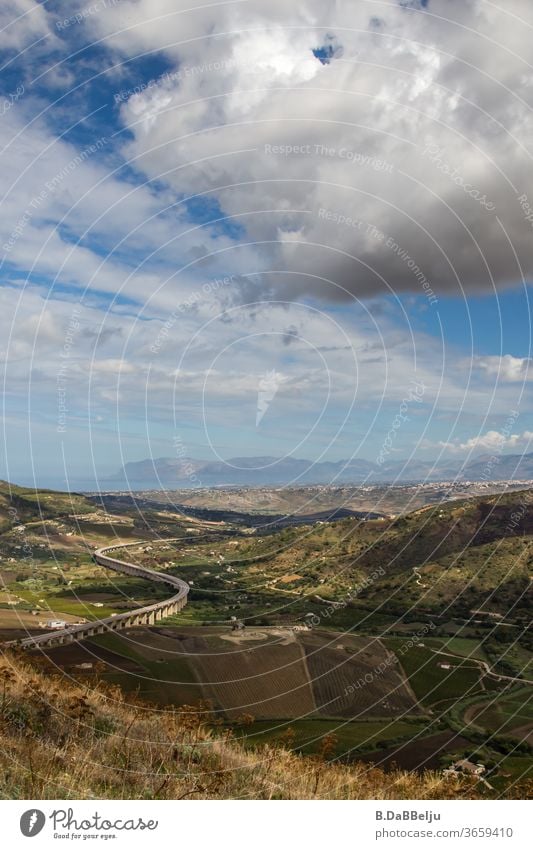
[(101, 336), (291, 335), (398, 161)]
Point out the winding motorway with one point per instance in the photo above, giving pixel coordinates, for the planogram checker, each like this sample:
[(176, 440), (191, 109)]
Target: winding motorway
[(140, 616)]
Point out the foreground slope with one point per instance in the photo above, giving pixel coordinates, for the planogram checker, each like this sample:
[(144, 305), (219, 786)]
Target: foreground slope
[(59, 738)]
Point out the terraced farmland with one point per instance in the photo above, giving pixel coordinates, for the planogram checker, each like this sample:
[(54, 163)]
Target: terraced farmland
[(355, 676), (267, 681), (268, 673)]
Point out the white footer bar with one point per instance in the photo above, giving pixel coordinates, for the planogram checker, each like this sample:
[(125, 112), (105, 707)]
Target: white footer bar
[(264, 825)]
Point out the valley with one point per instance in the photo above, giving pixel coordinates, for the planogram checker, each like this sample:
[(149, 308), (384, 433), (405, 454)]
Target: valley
[(400, 641)]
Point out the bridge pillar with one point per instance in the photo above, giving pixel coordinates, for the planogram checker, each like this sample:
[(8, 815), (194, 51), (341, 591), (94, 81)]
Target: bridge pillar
[(106, 557)]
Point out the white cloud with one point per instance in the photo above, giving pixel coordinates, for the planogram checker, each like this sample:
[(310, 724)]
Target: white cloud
[(58, 199), (23, 23), (506, 368), (492, 440)]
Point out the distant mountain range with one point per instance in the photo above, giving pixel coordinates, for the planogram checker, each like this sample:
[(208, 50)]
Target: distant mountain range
[(273, 471)]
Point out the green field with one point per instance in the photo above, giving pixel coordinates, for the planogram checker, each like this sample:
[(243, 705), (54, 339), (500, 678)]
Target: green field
[(307, 736), (464, 646), (430, 682), (508, 712)]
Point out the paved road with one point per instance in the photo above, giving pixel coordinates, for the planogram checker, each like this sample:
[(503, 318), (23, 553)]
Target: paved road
[(485, 666)]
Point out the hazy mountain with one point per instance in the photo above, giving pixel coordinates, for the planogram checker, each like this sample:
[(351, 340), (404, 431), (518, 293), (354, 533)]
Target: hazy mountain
[(268, 471)]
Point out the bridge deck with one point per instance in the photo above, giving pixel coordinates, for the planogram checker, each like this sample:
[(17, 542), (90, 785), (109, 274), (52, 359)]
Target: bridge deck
[(140, 616)]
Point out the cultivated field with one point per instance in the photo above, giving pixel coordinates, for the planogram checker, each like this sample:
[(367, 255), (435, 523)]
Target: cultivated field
[(265, 680), (511, 714), (269, 673), (356, 676)]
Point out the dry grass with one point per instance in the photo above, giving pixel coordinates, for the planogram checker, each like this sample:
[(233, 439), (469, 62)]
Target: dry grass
[(62, 739)]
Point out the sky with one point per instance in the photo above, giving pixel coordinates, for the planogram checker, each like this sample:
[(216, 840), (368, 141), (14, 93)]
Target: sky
[(249, 228)]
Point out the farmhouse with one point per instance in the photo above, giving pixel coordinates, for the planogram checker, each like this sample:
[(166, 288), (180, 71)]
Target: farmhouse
[(465, 766), (55, 624)]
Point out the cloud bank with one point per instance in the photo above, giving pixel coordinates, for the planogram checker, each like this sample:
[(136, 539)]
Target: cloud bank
[(412, 119)]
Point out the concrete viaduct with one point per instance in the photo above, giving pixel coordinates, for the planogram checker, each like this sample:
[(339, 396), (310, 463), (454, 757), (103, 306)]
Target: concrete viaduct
[(140, 616)]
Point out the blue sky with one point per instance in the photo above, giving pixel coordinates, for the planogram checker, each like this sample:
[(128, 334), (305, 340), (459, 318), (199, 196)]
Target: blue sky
[(213, 211)]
